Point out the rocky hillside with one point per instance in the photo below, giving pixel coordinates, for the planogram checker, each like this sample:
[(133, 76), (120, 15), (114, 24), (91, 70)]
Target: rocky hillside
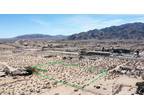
[(125, 31)]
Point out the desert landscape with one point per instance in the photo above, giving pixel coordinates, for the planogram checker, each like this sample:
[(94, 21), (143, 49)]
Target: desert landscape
[(71, 67)]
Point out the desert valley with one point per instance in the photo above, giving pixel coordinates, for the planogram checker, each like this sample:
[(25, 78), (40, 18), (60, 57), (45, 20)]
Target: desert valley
[(109, 61)]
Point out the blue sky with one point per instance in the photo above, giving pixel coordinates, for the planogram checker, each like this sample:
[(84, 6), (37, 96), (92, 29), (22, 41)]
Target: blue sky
[(54, 24)]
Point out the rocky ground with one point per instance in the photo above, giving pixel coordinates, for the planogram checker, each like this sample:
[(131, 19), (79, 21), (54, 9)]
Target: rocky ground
[(56, 74)]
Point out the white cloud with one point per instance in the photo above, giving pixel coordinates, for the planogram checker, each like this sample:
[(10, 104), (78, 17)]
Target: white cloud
[(87, 22), (79, 23), (40, 22)]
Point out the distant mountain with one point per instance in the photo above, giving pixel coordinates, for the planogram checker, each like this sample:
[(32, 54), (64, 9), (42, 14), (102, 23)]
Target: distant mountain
[(125, 31), (40, 36)]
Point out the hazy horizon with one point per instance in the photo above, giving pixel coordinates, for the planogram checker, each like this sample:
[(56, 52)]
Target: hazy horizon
[(59, 24)]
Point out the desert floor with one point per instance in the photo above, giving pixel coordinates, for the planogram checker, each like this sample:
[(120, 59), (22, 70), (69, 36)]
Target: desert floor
[(60, 74)]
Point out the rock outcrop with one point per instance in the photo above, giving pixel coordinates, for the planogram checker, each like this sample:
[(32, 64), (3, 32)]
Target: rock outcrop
[(7, 70)]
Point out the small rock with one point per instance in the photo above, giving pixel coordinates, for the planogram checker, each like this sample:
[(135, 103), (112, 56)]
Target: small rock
[(31, 90), (47, 83), (75, 90), (44, 87), (123, 71), (54, 83), (56, 94), (14, 77), (81, 57), (104, 89), (49, 87), (70, 58), (97, 87), (38, 91), (64, 58), (22, 93)]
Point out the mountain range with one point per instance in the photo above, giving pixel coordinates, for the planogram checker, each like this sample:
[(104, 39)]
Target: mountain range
[(40, 36), (125, 31)]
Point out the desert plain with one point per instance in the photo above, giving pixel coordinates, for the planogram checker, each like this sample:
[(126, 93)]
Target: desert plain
[(79, 67)]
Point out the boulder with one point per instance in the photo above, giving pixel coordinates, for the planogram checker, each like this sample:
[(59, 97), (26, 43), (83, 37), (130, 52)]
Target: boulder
[(3, 71), (2, 74), (20, 72), (23, 72), (6, 70), (140, 88)]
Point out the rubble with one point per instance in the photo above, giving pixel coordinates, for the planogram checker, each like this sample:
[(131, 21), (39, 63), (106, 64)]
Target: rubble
[(130, 71), (100, 53), (16, 76), (121, 51)]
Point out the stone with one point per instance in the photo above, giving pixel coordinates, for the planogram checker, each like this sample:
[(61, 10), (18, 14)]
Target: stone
[(2, 74), (18, 72), (140, 88), (30, 70), (104, 88), (49, 87), (116, 89), (142, 76), (97, 87), (64, 58), (81, 57), (123, 71), (6, 70), (75, 90), (56, 94)]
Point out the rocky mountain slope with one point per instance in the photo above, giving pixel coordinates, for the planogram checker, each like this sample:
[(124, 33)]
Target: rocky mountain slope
[(125, 31)]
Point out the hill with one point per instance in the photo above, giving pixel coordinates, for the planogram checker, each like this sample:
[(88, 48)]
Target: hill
[(40, 36)]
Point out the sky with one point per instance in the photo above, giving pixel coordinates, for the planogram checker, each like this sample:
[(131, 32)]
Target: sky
[(12, 25)]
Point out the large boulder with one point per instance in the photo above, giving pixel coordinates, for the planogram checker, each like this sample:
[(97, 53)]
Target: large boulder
[(2, 74), (21, 72), (6, 70), (140, 88), (3, 71)]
